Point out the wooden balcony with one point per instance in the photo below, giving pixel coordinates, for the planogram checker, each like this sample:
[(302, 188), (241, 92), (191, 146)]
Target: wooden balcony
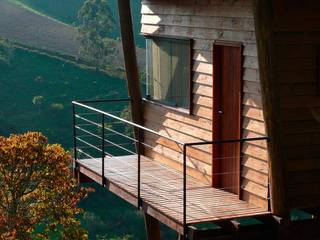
[(169, 195), (162, 191)]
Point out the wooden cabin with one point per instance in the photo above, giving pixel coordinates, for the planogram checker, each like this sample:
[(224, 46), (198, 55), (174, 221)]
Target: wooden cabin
[(229, 127)]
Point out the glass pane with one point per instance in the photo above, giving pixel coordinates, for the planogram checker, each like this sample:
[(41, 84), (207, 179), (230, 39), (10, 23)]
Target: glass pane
[(168, 71)]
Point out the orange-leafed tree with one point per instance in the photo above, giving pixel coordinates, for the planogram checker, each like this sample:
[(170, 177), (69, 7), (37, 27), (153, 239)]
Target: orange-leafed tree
[(38, 196)]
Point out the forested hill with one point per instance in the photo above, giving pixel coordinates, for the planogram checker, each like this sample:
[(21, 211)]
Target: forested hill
[(66, 11)]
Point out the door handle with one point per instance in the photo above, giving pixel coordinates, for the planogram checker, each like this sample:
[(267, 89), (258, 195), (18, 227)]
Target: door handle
[(220, 112)]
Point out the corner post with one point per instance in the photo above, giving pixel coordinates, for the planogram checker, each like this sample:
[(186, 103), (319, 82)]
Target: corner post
[(139, 168), (75, 164), (103, 148), (185, 229)]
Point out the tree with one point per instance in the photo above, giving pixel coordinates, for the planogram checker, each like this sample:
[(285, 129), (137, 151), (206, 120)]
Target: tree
[(95, 23), (6, 51), (57, 106), (38, 100), (126, 114), (38, 195)]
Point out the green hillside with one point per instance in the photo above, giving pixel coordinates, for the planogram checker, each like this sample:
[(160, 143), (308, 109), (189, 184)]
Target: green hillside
[(66, 11), (29, 75)]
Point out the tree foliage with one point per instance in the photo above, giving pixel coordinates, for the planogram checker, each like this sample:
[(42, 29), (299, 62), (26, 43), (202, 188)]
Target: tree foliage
[(95, 23), (6, 51), (38, 100), (38, 196), (57, 106)]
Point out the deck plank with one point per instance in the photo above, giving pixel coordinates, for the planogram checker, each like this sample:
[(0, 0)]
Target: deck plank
[(162, 190)]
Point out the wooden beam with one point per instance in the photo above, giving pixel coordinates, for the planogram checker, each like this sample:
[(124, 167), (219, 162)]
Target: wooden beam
[(84, 179), (181, 237), (266, 55), (152, 227), (130, 60)]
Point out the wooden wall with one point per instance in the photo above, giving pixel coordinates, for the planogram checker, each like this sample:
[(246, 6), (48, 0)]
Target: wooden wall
[(206, 21), (297, 40)]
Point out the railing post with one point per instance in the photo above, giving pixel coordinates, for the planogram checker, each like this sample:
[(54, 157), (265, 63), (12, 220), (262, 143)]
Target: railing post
[(102, 148), (185, 229), (139, 168), (75, 165)]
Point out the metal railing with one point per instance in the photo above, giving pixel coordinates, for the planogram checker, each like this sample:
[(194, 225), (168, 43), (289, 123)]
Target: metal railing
[(91, 116), (136, 140)]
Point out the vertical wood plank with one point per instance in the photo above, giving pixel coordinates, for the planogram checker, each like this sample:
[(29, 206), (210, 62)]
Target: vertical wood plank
[(264, 34)]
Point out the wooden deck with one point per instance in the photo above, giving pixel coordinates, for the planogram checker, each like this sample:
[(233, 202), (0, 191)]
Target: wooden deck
[(162, 191)]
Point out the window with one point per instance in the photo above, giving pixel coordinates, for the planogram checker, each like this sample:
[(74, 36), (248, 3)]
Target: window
[(168, 71)]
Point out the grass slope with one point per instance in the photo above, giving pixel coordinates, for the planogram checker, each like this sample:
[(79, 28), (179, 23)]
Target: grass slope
[(64, 11), (30, 29)]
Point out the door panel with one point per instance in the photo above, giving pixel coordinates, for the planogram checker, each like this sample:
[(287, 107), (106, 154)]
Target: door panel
[(227, 61)]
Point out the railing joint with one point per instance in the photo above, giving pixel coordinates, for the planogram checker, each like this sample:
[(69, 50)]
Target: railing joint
[(139, 203), (104, 181)]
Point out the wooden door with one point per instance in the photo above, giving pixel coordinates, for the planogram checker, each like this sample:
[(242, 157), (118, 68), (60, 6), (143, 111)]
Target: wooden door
[(227, 89)]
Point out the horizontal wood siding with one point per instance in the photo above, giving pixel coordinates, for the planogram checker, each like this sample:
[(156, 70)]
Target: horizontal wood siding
[(205, 22)]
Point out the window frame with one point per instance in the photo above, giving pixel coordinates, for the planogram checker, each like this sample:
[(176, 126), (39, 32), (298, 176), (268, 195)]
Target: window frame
[(189, 109)]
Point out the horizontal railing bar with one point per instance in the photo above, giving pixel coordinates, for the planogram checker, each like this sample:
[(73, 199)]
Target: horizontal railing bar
[(88, 114), (103, 100), (84, 124), (94, 114), (117, 122), (227, 141), (116, 145), (121, 134), (83, 152), (109, 154), (86, 131), (121, 144), (105, 152), (149, 146), (89, 144), (128, 122), (91, 136), (112, 143), (109, 145), (111, 130), (87, 120)]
